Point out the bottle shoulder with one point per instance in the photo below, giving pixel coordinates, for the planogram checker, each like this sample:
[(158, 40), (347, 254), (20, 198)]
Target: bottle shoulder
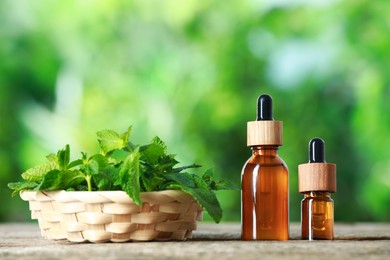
[(266, 160), (261, 165), (317, 196)]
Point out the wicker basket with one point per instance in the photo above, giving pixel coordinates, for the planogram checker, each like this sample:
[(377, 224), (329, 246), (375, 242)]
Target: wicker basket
[(104, 216)]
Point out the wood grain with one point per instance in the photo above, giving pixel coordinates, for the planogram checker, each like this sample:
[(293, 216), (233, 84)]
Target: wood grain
[(264, 133), (317, 177)]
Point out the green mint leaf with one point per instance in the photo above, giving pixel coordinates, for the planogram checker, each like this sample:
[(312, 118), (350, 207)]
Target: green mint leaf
[(132, 146), (199, 189), (35, 174), (128, 177), (119, 155), (160, 143), (52, 158), (91, 167), (63, 157), (179, 169), (105, 179), (50, 181), (101, 160), (166, 163), (225, 185), (126, 135), (19, 186), (184, 179), (75, 163), (102, 172), (208, 177), (71, 178), (150, 181), (84, 156), (61, 180), (110, 140), (153, 152)]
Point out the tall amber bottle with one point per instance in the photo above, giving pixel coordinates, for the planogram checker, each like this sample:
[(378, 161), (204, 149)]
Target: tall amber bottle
[(265, 210), (317, 180)]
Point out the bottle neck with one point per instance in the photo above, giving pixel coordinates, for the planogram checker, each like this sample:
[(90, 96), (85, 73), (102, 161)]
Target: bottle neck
[(317, 194), (265, 150)]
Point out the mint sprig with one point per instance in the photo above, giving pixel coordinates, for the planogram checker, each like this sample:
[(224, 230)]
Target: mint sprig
[(122, 165)]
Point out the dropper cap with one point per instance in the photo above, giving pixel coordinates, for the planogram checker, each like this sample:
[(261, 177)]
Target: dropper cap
[(264, 131), (317, 175)]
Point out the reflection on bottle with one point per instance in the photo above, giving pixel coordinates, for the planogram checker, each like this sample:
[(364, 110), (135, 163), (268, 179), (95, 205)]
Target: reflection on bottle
[(266, 198), (265, 218), (319, 217)]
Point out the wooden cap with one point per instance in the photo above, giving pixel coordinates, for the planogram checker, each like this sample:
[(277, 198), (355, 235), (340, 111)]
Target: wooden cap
[(317, 177), (265, 132)]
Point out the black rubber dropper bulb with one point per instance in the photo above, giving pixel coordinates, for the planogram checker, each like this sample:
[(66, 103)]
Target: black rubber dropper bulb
[(264, 108), (316, 150)]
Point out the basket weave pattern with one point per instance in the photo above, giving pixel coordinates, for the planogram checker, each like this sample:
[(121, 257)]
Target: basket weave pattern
[(112, 216)]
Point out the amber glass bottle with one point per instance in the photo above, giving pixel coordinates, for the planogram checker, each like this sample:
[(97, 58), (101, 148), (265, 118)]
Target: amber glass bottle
[(317, 180), (265, 212), (317, 216)]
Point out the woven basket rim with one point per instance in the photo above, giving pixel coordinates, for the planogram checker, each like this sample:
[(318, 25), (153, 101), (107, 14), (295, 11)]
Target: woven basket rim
[(100, 191), (102, 196), (95, 191)]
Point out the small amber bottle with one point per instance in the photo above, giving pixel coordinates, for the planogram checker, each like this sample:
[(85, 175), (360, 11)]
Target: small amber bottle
[(317, 180), (265, 211)]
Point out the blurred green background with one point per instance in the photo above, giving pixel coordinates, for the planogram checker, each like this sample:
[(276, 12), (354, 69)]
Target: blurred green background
[(190, 72)]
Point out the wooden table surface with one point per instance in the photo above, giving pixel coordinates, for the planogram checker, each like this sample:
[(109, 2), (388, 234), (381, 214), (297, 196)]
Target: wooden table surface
[(210, 241)]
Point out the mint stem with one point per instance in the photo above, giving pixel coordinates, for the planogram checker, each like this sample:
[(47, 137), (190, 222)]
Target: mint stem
[(88, 179)]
